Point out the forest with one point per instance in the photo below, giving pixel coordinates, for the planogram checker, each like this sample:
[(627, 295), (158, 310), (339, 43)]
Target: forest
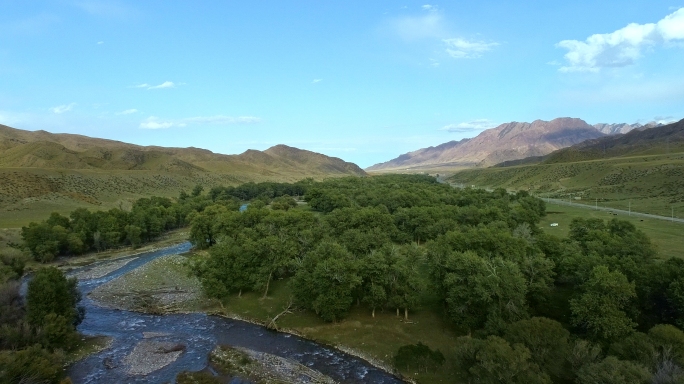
[(599, 306), (596, 307)]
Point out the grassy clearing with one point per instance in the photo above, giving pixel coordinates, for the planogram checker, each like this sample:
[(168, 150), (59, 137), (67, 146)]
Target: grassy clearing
[(667, 236)]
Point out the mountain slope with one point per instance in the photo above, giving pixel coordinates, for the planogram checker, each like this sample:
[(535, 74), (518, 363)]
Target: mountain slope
[(42, 149), (508, 141), (642, 170), (42, 172)]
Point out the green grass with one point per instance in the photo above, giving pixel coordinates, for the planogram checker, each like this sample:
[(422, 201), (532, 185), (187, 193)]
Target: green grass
[(377, 339), (666, 235), (650, 183)]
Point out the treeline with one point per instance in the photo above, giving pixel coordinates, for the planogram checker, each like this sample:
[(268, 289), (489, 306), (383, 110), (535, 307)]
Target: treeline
[(83, 231), (596, 307)]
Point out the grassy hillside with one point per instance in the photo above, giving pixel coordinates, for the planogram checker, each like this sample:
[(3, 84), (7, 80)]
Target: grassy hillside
[(650, 183), (41, 172)]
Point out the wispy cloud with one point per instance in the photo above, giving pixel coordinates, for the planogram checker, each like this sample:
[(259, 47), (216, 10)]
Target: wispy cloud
[(412, 28), (128, 112), (460, 48), (154, 122), (100, 42), (622, 47), (63, 108), (431, 27), (166, 84), (316, 81), (469, 126)]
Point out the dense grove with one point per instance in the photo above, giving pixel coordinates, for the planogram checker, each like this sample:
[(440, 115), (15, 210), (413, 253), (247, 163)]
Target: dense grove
[(596, 307)]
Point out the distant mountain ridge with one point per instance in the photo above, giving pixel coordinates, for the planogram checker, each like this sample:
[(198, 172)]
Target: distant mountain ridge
[(509, 141), (614, 129), (41, 149), (655, 139)]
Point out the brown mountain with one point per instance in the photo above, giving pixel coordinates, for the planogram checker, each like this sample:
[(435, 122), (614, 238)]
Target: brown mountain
[(508, 141)]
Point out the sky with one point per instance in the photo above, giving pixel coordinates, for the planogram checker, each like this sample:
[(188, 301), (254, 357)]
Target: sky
[(363, 81)]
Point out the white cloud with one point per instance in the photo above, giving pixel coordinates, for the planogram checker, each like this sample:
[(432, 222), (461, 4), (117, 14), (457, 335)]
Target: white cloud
[(63, 108), (316, 81), (154, 122), (428, 7), (622, 47), (460, 48), (469, 126), (100, 42), (128, 112), (166, 84)]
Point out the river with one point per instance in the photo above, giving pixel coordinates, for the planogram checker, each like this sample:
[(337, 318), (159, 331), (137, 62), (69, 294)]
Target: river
[(201, 333)]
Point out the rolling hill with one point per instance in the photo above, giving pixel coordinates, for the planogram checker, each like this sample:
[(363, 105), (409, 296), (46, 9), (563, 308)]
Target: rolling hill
[(42, 172), (508, 141), (643, 169)]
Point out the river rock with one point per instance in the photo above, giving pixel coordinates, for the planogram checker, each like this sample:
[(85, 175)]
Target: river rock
[(149, 356)]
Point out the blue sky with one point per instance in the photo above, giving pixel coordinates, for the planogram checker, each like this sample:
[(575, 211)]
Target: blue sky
[(364, 81)]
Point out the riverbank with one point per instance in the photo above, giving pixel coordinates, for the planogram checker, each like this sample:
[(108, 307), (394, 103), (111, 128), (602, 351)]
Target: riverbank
[(169, 287)]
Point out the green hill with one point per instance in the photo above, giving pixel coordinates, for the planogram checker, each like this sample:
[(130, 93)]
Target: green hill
[(642, 169), (42, 172)]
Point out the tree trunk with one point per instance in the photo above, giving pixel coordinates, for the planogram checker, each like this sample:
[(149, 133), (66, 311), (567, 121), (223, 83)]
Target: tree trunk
[(268, 282), (405, 313), (397, 312), (240, 293), (374, 313)]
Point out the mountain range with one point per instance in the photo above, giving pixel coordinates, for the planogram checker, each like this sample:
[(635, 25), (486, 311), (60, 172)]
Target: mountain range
[(41, 149), (507, 142), (42, 172)]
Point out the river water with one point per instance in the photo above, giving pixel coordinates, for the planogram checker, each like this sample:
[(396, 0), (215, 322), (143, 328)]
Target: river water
[(200, 333)]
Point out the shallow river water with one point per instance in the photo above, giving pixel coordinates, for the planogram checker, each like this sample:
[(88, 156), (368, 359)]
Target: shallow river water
[(200, 333)]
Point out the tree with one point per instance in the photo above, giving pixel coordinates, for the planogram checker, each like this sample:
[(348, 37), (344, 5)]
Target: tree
[(326, 281), (31, 365), (613, 371), (600, 310), (50, 292), (494, 360), (480, 292), (197, 190), (547, 341), (419, 356)]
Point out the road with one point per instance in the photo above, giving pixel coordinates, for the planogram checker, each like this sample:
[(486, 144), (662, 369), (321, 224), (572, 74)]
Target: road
[(614, 210)]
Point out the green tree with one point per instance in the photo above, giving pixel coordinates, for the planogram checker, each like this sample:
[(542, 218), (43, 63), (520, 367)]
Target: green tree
[(600, 310), (494, 360), (480, 292), (50, 292), (326, 281), (547, 341), (613, 371), (31, 365)]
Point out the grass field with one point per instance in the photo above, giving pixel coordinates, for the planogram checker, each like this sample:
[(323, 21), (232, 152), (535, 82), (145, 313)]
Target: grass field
[(666, 235), (649, 183)]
